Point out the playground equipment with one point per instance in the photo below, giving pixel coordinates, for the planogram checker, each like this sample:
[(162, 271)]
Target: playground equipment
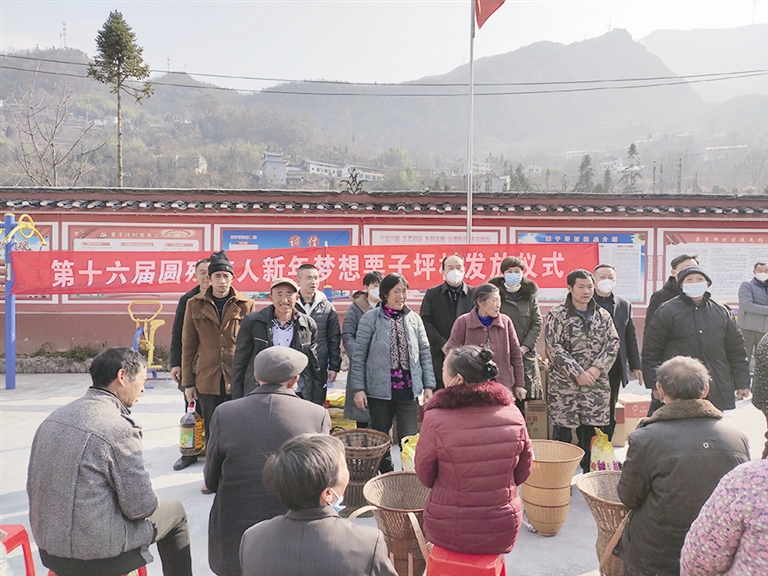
[(26, 227), (146, 326)]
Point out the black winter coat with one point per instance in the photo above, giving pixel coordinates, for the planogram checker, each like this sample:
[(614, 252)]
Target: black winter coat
[(438, 316), (328, 335), (674, 461), (629, 353), (256, 334), (705, 330), (178, 324), (665, 294)]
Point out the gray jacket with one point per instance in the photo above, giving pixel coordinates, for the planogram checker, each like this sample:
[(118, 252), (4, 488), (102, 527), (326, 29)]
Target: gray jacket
[(328, 333), (753, 306), (89, 492), (370, 370), (360, 305)]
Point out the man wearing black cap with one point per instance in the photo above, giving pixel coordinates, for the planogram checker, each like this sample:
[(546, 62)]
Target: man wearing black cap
[(279, 324), (211, 323), (695, 325), (244, 433)]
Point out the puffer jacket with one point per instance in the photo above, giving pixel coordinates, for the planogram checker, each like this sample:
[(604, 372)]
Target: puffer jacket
[(753, 306), (89, 492), (360, 305), (675, 459), (526, 316), (207, 344), (328, 333), (705, 330), (370, 370), (473, 451), (256, 335)]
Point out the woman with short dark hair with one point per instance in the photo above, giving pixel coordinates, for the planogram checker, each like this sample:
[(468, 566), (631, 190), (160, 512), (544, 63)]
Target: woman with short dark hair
[(392, 365), (309, 474), (473, 451), (484, 326)]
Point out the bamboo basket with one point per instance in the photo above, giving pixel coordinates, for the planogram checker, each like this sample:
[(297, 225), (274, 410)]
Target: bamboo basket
[(395, 498), (547, 492), (363, 449), (600, 492)]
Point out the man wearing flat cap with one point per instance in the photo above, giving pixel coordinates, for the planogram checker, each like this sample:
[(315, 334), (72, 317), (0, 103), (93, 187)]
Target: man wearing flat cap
[(279, 324), (211, 323), (695, 325), (244, 432)]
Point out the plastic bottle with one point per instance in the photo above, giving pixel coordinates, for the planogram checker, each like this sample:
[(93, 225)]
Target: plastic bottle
[(187, 432)]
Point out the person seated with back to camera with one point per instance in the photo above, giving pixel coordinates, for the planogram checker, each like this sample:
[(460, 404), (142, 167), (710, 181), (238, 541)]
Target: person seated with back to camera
[(309, 474)]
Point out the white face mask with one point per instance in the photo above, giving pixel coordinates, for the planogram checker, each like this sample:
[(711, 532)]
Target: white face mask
[(761, 276), (606, 285), (454, 277), (373, 293), (695, 289)]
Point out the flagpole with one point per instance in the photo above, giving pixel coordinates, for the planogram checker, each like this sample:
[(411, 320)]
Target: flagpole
[(471, 119)]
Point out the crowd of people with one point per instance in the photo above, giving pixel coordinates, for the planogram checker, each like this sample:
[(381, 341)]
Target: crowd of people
[(464, 366)]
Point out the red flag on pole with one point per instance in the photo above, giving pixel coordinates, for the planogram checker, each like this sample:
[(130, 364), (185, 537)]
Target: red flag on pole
[(484, 9)]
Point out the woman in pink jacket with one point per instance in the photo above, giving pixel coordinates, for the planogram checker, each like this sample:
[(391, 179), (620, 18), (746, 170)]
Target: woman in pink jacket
[(486, 327), (473, 451)]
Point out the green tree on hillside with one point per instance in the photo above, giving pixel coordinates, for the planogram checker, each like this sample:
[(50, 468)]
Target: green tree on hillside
[(519, 182), (118, 61), (632, 172), (586, 172)]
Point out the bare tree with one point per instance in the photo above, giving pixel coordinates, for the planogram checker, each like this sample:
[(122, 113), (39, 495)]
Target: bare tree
[(756, 164), (50, 151)]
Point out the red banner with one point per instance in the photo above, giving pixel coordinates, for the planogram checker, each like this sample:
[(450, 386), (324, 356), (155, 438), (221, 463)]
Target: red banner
[(343, 267)]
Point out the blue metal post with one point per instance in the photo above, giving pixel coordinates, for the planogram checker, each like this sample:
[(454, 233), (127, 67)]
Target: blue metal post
[(10, 308)]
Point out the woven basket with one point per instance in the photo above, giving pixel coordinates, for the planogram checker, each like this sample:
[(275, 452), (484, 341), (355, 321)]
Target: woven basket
[(363, 450), (600, 494), (547, 492), (393, 496)]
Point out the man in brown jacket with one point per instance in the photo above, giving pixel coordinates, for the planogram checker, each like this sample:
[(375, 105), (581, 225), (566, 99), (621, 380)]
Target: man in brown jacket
[(211, 323)]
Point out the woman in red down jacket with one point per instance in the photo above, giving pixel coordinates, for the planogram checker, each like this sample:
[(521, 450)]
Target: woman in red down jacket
[(473, 451)]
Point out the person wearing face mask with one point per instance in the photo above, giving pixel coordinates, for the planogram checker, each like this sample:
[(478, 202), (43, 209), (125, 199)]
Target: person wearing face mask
[(629, 355), (441, 306), (362, 301), (519, 302), (244, 432), (309, 474), (486, 327), (753, 307), (474, 451), (695, 325)]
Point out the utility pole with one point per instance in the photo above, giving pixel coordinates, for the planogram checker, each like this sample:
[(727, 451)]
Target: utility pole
[(64, 34), (168, 65)]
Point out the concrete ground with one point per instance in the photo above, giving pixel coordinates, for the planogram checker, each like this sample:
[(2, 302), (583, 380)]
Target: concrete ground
[(570, 553)]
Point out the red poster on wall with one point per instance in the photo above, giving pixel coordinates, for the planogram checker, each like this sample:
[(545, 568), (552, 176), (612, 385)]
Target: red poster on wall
[(343, 267)]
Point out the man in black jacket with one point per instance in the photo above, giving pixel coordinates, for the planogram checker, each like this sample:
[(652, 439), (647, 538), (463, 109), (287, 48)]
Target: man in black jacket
[(279, 324), (695, 325), (441, 306), (203, 281), (666, 293), (629, 355), (674, 461), (314, 304)]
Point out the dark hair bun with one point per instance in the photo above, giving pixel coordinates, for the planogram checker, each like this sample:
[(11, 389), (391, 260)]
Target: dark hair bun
[(486, 355)]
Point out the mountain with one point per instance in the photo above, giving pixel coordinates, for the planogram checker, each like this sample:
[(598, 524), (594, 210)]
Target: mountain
[(564, 115), (710, 51)]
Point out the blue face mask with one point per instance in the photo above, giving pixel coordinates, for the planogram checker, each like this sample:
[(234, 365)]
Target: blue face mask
[(337, 505), (513, 278), (694, 290)]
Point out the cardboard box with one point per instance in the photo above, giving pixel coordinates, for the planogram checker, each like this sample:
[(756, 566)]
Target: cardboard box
[(635, 409), (536, 419), (619, 432)]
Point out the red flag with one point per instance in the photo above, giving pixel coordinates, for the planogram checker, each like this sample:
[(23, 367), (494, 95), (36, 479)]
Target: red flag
[(484, 9)]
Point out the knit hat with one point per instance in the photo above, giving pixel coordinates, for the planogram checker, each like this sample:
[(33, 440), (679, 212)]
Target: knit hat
[(692, 270), (220, 263), (278, 364)]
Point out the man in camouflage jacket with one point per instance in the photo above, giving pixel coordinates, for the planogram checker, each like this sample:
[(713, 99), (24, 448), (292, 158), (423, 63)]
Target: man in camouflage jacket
[(582, 345)]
